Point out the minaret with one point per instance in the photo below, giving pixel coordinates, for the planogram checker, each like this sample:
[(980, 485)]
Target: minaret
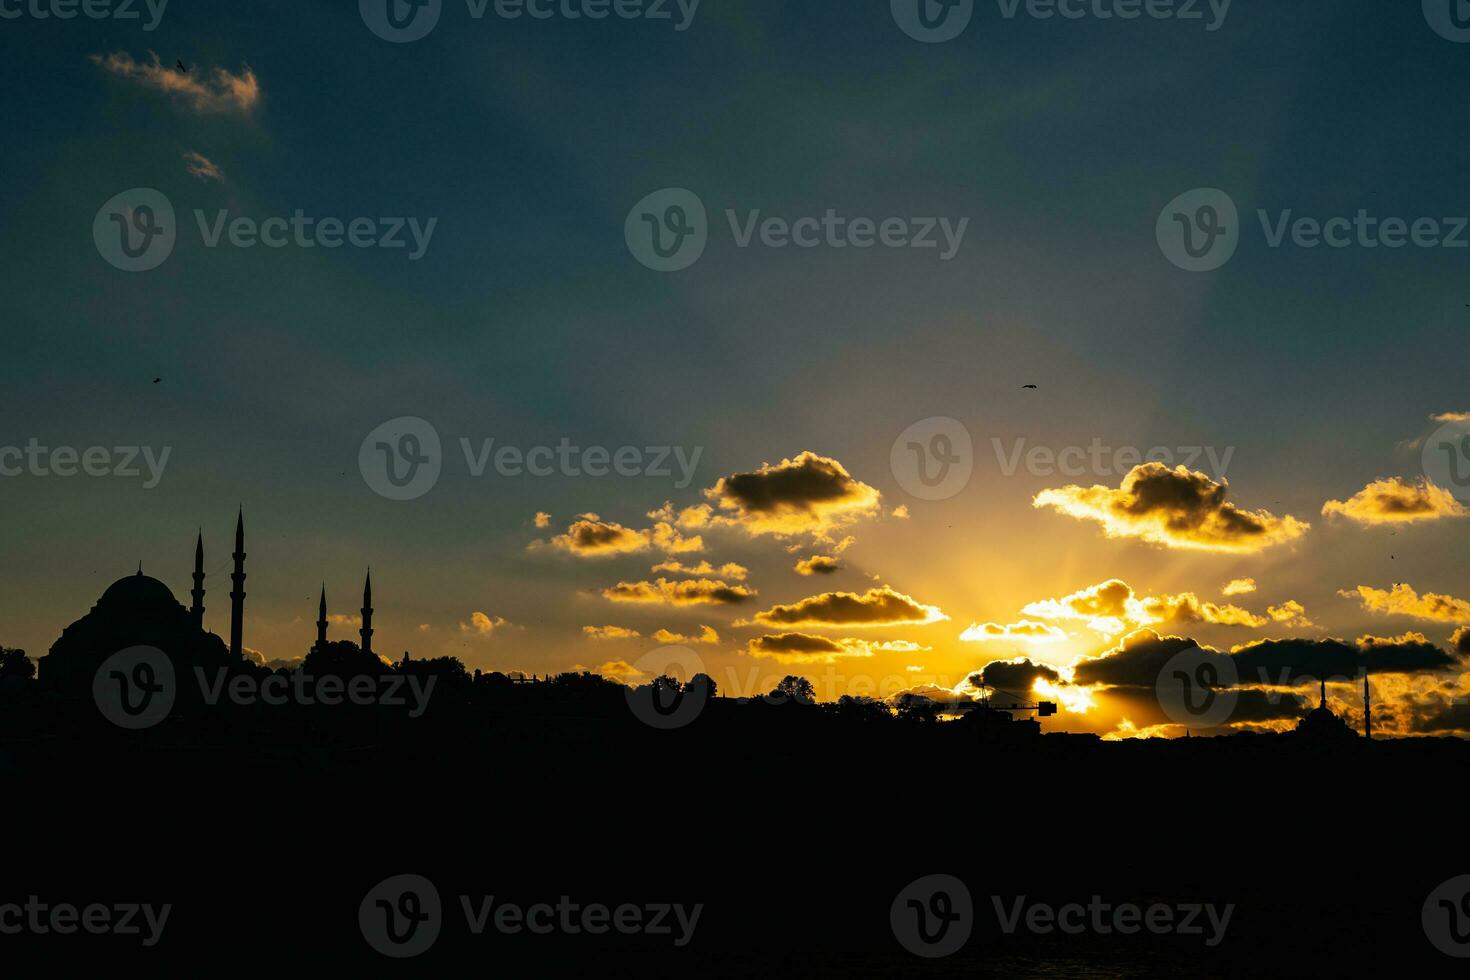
[(321, 620), (367, 614), (1324, 692), (197, 610), (1367, 711), (237, 596)]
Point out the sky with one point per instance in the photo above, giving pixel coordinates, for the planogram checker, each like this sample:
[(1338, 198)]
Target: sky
[(770, 392)]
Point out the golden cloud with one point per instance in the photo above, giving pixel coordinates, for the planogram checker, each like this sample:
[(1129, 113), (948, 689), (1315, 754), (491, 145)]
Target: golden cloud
[(1403, 600), (542, 519), (591, 537), (803, 648), (483, 625), (218, 91), (1112, 607), (1291, 613), (706, 635), (818, 565), (877, 607), (727, 570), (1394, 501), (199, 165), (1024, 632), (687, 592), (810, 494), (1239, 586), (610, 633), (1175, 508)]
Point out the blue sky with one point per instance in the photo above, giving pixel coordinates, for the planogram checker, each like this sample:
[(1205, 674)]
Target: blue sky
[(527, 320)]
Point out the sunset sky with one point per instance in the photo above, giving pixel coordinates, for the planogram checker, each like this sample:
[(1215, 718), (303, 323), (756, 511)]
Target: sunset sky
[(1315, 376)]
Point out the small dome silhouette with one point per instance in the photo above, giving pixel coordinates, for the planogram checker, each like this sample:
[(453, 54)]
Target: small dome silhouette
[(137, 588)]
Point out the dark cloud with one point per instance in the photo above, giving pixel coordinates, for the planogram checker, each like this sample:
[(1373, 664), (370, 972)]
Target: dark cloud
[(1013, 675), (810, 493), (689, 592), (876, 607), (1176, 508)]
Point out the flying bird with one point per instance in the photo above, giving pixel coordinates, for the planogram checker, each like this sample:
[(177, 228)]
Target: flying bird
[(179, 67), (156, 380), (1029, 386)]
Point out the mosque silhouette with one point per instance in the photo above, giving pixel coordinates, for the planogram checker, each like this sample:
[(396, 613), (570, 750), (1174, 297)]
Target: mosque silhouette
[(141, 611)]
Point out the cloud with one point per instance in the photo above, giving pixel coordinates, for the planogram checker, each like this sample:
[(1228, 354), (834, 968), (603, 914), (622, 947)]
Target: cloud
[(202, 167), (876, 607), (901, 512), (810, 494), (706, 635), (688, 592), (619, 670), (1291, 614), (817, 565), (1174, 508), (689, 518), (1461, 640), (483, 625), (542, 519), (727, 570), (215, 92), (1404, 601), (610, 633), (803, 648), (591, 537), (342, 619), (1284, 662), (1451, 417), (1239, 586), (1394, 501), (1016, 676), (1024, 632), (1112, 607)]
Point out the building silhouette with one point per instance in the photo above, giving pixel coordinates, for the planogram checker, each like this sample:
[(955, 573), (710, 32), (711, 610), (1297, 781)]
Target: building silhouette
[(1321, 723), (139, 610)]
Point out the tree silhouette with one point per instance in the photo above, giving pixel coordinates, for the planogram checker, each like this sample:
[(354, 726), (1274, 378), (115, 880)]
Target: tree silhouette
[(795, 689), (15, 663), (342, 658)]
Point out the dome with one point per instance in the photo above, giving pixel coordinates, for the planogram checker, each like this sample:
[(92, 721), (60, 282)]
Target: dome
[(138, 588)]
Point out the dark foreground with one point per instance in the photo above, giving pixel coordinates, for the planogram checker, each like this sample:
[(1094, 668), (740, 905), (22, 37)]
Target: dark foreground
[(279, 841)]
